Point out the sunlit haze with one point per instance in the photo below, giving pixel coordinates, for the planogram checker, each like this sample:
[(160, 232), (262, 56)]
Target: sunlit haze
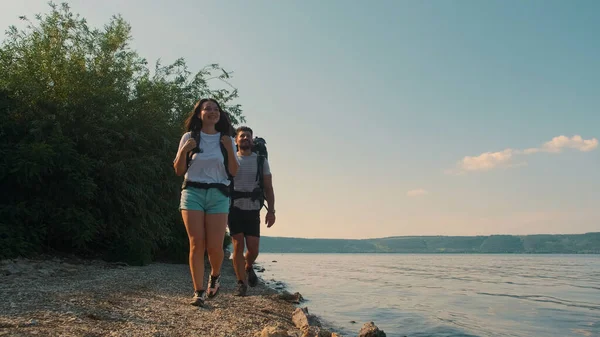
[(392, 118)]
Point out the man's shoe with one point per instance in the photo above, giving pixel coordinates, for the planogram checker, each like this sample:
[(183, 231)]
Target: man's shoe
[(252, 278), (199, 298), (242, 289), (213, 285)]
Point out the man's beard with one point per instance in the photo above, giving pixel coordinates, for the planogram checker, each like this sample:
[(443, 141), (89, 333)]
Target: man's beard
[(245, 146)]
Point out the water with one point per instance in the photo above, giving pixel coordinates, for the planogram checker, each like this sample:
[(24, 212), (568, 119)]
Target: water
[(447, 295)]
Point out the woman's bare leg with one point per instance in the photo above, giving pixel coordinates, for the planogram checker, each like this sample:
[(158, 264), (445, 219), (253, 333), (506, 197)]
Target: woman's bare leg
[(216, 224), (194, 224)]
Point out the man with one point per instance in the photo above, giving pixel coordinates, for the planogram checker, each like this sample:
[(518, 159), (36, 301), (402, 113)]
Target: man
[(248, 199)]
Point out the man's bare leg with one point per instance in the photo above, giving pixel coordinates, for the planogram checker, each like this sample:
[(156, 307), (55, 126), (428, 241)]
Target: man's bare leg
[(252, 242), (239, 262)]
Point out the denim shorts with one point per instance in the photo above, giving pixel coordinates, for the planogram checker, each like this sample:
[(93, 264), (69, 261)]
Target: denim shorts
[(209, 201)]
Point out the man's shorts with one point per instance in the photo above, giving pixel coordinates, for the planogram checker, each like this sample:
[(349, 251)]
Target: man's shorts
[(244, 222), (209, 201)]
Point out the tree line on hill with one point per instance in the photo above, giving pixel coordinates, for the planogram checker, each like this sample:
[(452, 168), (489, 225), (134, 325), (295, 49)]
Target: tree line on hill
[(588, 243), (88, 134)]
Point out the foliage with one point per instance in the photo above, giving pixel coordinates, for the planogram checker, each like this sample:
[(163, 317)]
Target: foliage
[(87, 139), (501, 244)]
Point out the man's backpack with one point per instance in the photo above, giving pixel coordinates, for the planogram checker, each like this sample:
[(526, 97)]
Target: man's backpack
[(260, 148)]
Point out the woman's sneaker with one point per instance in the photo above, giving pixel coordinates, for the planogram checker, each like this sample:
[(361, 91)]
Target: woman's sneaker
[(213, 285), (199, 298)]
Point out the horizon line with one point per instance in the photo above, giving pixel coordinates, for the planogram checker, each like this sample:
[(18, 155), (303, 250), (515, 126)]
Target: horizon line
[(426, 236)]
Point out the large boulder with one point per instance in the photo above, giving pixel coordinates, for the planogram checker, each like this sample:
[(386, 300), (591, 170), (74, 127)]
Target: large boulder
[(302, 319), (308, 324)]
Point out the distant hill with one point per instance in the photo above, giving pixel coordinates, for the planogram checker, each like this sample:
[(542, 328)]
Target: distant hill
[(588, 243)]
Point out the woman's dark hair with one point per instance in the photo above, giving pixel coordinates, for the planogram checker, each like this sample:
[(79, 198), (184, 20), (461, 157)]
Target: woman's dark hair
[(194, 123)]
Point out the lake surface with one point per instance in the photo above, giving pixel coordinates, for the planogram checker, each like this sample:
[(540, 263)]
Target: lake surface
[(447, 295)]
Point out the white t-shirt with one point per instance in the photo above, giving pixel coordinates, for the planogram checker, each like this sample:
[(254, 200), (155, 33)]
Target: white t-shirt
[(207, 167)]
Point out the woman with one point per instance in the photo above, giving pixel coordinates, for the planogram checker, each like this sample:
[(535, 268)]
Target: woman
[(204, 200)]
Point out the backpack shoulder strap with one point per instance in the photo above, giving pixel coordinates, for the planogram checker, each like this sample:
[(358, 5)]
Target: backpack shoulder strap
[(260, 160), (196, 136), (225, 159), (229, 176), (261, 180)]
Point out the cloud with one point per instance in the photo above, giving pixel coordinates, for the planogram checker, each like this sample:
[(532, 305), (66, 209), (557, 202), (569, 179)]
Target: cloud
[(417, 192), (487, 161), (557, 144), (507, 158)]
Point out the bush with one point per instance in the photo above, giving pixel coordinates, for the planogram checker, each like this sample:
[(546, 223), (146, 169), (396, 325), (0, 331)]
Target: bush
[(87, 139)]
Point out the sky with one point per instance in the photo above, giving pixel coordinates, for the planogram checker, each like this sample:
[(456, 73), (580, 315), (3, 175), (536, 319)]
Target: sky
[(392, 117)]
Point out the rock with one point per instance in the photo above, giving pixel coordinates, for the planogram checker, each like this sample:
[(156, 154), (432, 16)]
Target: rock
[(272, 331), (371, 330), (303, 320), (259, 269), (325, 333), (353, 322), (300, 318), (313, 331), (295, 298), (333, 334), (30, 323), (274, 261)]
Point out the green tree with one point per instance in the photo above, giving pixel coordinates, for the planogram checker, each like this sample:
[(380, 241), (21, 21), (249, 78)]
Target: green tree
[(87, 138)]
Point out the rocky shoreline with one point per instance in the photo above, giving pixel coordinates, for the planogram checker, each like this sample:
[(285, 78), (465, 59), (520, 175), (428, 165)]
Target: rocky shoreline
[(73, 297)]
